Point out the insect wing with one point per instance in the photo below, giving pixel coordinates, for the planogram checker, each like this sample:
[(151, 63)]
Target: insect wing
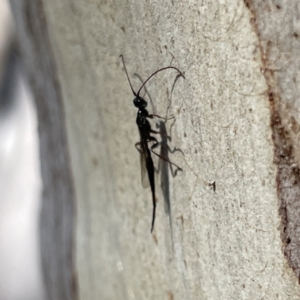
[(144, 172)]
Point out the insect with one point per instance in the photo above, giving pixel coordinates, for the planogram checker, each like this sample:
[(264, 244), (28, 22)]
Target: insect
[(145, 131)]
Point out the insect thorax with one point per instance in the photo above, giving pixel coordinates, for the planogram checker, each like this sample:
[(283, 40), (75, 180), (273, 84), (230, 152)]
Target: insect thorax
[(143, 123)]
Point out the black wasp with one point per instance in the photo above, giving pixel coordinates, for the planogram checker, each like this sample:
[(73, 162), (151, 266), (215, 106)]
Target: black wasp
[(145, 131)]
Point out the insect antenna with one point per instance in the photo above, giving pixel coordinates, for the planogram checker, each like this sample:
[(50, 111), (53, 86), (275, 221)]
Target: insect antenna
[(134, 93), (162, 69)]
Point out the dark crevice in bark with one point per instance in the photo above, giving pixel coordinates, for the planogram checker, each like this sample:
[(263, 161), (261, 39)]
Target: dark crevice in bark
[(288, 171)]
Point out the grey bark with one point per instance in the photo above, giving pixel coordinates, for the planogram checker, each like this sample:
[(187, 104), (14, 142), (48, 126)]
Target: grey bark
[(236, 123)]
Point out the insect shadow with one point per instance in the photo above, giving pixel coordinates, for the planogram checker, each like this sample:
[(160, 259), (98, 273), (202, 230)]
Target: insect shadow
[(164, 167)]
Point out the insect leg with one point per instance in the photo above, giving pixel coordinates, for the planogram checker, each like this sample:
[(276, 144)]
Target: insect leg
[(174, 172), (162, 134), (157, 116), (153, 139)]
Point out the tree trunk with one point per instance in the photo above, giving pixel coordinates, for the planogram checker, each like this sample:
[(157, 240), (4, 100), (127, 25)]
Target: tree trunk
[(236, 124)]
